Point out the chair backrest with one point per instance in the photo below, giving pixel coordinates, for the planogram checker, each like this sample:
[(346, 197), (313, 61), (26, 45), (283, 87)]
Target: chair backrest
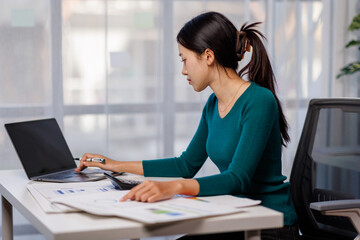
[(327, 164)]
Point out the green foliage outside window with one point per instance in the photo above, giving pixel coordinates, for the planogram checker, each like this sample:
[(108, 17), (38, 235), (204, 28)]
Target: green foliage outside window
[(355, 66)]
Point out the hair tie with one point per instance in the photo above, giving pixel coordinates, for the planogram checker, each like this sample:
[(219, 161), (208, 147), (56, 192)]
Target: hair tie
[(242, 44)]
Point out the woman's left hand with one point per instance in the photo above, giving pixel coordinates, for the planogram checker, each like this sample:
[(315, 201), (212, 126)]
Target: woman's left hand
[(151, 191)]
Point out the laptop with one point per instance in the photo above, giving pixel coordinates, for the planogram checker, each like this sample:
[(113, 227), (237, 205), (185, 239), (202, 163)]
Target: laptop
[(44, 153)]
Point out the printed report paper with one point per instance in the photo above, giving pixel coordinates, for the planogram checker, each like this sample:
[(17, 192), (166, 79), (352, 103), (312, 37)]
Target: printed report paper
[(44, 192), (175, 209)]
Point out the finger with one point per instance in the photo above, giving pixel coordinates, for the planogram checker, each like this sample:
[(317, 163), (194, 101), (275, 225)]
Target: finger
[(146, 196), (134, 192), (94, 164), (131, 194), (153, 198), (84, 162), (139, 193), (81, 166), (92, 155), (128, 196)]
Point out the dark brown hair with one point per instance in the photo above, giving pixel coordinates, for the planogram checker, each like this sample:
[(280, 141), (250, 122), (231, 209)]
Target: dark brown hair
[(214, 31)]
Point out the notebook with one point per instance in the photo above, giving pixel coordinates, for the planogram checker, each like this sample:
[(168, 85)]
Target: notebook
[(44, 153)]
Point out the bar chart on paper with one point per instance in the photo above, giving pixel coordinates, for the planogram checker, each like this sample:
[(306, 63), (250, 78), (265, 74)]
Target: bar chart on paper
[(55, 190), (45, 192)]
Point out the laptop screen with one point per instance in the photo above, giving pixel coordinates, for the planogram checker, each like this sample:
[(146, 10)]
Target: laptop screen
[(40, 146)]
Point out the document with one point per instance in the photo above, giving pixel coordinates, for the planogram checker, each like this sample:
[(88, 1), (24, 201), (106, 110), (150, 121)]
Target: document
[(44, 192), (175, 209), (101, 198), (46, 205)]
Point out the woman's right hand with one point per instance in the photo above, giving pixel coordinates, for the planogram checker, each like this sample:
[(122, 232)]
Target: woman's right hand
[(109, 164)]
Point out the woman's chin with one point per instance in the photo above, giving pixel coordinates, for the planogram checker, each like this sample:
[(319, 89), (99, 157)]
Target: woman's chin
[(198, 88)]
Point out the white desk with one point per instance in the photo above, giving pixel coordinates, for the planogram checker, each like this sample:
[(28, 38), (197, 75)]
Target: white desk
[(86, 226)]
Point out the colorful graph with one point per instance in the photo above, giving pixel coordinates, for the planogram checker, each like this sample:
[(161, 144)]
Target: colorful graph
[(67, 191), (162, 211)]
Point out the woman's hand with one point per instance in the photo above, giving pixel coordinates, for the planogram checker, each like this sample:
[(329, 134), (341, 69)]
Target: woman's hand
[(110, 165), (151, 191)]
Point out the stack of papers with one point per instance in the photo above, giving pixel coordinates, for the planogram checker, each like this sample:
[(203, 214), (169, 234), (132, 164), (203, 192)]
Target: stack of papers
[(101, 198), (175, 209), (46, 192)]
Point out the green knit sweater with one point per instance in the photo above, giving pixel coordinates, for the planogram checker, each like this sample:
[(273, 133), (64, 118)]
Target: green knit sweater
[(246, 147)]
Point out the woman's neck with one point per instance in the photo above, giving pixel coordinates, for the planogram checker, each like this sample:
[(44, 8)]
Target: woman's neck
[(227, 85)]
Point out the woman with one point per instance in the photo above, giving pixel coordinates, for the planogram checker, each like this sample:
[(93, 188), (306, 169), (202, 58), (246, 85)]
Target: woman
[(242, 128)]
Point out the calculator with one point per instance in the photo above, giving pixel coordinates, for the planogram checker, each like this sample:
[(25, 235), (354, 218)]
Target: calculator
[(121, 184)]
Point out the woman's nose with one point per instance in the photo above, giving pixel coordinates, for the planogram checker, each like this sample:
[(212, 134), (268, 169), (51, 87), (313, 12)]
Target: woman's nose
[(184, 72)]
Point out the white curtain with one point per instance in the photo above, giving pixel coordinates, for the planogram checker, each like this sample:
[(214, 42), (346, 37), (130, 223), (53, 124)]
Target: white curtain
[(109, 71)]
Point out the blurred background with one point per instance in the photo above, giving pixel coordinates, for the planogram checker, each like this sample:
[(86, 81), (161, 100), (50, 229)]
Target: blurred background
[(109, 70)]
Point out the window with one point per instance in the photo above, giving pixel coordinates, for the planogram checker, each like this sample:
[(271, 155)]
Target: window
[(109, 70)]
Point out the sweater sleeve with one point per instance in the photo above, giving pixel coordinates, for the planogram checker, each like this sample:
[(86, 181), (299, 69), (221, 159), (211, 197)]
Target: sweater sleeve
[(190, 161), (258, 119)]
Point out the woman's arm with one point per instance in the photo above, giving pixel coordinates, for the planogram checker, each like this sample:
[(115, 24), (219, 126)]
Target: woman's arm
[(186, 166), (134, 167), (148, 191), (190, 161)]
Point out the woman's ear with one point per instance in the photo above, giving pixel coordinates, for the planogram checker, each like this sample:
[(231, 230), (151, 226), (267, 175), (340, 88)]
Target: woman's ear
[(209, 56)]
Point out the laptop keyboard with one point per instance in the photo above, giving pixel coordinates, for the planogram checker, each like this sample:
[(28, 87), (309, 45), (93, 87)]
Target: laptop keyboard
[(71, 176), (64, 175)]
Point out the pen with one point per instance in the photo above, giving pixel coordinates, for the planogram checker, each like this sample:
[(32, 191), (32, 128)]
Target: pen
[(100, 160)]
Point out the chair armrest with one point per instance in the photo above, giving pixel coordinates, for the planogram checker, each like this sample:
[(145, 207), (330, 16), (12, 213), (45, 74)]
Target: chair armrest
[(335, 204), (345, 208)]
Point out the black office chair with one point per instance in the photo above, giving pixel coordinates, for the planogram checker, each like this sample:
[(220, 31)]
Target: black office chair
[(327, 168)]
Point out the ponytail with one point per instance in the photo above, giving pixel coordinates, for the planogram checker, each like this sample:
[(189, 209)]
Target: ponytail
[(259, 68)]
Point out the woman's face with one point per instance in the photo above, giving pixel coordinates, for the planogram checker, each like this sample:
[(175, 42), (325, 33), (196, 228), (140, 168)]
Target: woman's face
[(195, 68)]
